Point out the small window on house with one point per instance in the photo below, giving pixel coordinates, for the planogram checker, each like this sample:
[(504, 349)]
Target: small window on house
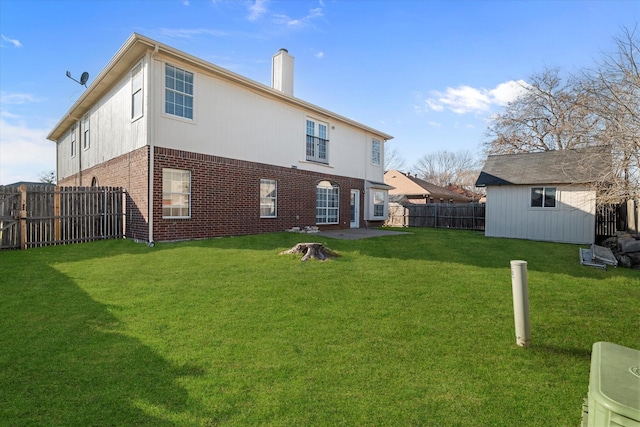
[(136, 92), (85, 133), (73, 141), (317, 144), (268, 198), (178, 94), (327, 203), (378, 203), (375, 151), (176, 193), (543, 197)]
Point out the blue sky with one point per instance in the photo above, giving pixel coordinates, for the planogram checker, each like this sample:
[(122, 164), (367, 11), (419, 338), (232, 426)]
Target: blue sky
[(429, 73)]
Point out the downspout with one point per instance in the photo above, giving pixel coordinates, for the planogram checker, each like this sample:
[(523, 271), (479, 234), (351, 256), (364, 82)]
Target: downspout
[(151, 138)]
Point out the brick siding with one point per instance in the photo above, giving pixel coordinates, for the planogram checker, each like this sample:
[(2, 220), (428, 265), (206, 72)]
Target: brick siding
[(225, 197)]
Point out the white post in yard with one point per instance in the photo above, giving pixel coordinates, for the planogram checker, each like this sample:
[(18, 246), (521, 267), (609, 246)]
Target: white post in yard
[(520, 289)]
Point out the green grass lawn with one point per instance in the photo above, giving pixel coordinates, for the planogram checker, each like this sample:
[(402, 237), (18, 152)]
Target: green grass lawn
[(400, 330)]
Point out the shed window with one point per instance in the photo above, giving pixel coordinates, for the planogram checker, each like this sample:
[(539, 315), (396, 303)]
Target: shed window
[(543, 197)]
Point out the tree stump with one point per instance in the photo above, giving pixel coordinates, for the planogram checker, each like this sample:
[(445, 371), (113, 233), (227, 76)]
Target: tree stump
[(311, 250)]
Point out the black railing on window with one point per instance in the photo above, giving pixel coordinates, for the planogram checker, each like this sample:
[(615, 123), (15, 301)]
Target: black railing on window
[(317, 149)]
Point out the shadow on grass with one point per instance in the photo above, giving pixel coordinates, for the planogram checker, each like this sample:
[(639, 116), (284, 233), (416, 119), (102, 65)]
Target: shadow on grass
[(65, 361)]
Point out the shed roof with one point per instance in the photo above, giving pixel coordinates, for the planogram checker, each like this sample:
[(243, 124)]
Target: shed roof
[(578, 166)]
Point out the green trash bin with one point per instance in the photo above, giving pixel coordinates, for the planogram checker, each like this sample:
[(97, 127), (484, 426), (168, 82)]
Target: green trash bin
[(614, 387)]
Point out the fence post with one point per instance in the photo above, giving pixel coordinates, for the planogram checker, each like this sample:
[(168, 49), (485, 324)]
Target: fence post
[(56, 213), (23, 216)]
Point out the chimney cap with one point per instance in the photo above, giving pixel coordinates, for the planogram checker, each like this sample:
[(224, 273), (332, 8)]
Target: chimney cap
[(283, 50)]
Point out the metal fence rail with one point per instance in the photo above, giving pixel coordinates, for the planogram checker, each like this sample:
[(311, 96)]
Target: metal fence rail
[(41, 215)]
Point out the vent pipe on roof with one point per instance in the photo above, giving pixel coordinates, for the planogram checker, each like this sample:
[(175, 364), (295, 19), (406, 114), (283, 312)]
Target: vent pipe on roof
[(282, 72)]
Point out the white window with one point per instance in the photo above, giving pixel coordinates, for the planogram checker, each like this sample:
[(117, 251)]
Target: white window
[(176, 193), (378, 203), (136, 92), (317, 143), (543, 197), (178, 94), (268, 198), (327, 203), (375, 151), (85, 132), (73, 141)]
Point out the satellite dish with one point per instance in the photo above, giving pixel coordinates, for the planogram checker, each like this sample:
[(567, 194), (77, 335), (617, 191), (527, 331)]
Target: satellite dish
[(83, 79)]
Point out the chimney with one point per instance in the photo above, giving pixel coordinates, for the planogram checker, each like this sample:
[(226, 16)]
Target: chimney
[(282, 72)]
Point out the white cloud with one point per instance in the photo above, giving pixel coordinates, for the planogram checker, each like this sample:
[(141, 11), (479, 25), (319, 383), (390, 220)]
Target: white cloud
[(24, 152), (257, 10), (319, 55), (17, 98), (14, 42), (466, 99)]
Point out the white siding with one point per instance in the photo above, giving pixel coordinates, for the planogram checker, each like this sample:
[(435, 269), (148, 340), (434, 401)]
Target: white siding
[(112, 131), (235, 122), (509, 214)]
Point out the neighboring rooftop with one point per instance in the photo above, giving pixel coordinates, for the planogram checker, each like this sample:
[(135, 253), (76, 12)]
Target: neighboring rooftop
[(578, 166), (409, 186)]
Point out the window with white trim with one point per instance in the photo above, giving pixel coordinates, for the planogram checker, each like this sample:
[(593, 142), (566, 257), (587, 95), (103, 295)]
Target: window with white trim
[(327, 203), (317, 144), (136, 92), (85, 132), (176, 193), (543, 197), (268, 198), (178, 93), (378, 203), (73, 140), (375, 151)]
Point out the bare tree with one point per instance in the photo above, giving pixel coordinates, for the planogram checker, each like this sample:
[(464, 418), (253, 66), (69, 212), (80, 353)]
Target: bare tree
[(444, 168), (549, 115), (600, 107), (614, 91), (48, 177), (393, 159)]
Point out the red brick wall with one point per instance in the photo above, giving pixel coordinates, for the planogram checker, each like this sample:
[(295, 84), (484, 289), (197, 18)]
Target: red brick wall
[(225, 197), (129, 171)]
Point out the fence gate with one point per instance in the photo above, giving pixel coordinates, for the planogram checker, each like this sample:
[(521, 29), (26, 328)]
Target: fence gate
[(9, 218), (608, 218)]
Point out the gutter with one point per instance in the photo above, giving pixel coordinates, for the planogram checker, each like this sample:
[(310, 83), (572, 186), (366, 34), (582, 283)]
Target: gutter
[(151, 141)]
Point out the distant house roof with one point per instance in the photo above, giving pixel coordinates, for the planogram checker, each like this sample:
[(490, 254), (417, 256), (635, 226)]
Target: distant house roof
[(409, 186), (578, 166)]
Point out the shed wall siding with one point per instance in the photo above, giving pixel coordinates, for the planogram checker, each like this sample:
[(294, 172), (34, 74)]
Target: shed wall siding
[(508, 214)]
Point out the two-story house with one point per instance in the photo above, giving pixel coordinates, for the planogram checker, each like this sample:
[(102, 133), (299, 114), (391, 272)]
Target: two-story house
[(205, 152)]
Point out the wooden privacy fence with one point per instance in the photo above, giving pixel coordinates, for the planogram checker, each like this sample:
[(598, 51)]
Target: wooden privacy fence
[(469, 216), (41, 215)]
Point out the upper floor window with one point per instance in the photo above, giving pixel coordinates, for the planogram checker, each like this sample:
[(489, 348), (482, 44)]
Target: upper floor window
[(178, 94), (543, 197), (85, 132), (73, 141), (176, 193), (317, 142), (268, 198), (136, 91), (375, 151)]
